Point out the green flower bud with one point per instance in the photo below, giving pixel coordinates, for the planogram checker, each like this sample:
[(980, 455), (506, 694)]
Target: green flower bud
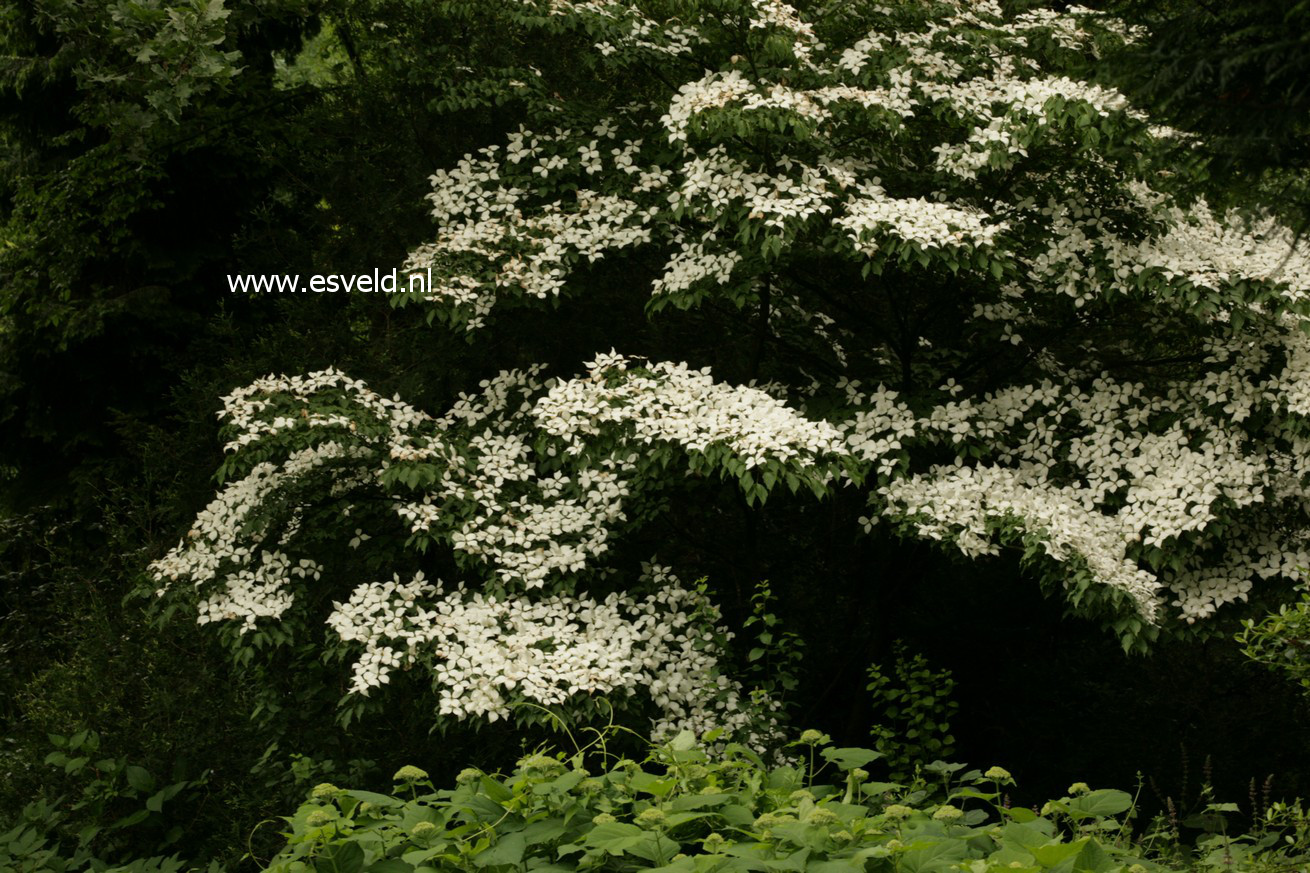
[(365, 807), (800, 795), (896, 810), (591, 786), (604, 818), (423, 830), (894, 845), (538, 763), (859, 775), (318, 818), (947, 813), (766, 821), (843, 836), (650, 818), (821, 817), (325, 791), (409, 773), (813, 737), (467, 775), (1137, 868), (713, 842), (1079, 788), (1000, 774)]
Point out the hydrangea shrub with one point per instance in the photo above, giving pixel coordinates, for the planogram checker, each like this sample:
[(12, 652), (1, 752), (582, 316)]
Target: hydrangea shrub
[(686, 810)]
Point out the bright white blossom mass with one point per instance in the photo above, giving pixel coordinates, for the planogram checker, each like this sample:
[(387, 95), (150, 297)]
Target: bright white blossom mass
[(1014, 336), (486, 653)]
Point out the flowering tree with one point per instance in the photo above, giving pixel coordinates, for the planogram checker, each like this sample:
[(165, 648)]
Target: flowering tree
[(973, 294)]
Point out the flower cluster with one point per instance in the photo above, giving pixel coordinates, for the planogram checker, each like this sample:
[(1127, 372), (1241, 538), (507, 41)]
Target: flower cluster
[(486, 654), (928, 224), (224, 547), (521, 515), (673, 403)]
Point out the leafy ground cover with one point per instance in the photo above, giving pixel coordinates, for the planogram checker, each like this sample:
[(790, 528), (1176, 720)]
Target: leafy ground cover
[(692, 809)]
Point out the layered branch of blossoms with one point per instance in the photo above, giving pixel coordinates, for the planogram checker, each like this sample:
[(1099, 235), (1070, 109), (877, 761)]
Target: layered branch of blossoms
[(671, 403), (531, 479), (932, 96), (487, 654), (526, 481)]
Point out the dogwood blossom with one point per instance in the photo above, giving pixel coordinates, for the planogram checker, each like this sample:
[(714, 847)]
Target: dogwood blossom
[(1012, 335), (486, 653)]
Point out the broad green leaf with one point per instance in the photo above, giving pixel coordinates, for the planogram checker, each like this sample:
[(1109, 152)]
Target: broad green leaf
[(850, 758), (497, 792), (656, 848), (614, 837), (1054, 853), (932, 857), (507, 850), (1093, 859), (543, 831), (390, 865), (140, 779), (700, 801), (373, 798), (340, 858), (1105, 801)]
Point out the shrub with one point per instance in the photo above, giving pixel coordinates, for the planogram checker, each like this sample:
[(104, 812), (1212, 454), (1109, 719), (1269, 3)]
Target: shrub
[(916, 708), (691, 808)]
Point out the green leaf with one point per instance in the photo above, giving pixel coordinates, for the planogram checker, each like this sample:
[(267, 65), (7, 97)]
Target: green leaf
[(614, 837), (1093, 859), (567, 782), (837, 865), (543, 831), (850, 758), (340, 858), (390, 865), (497, 792), (127, 821), (1050, 855), (507, 850), (168, 792), (1036, 833), (653, 784), (700, 801), (655, 848), (140, 779), (933, 857), (1105, 801), (372, 797)]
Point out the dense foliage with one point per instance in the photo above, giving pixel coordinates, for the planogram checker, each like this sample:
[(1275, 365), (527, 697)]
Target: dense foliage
[(688, 812)]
